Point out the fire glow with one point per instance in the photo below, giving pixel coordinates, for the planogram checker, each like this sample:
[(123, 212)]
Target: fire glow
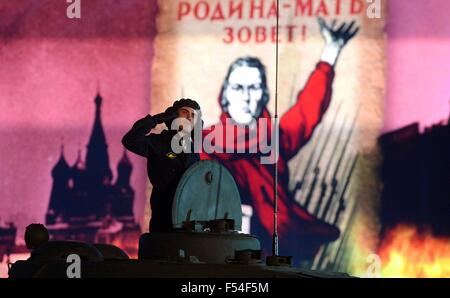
[(408, 253)]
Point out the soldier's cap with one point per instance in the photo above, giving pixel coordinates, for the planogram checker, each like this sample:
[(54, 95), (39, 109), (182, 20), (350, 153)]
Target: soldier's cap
[(186, 102)]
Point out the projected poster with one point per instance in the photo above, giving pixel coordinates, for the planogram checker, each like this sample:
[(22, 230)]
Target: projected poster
[(330, 103)]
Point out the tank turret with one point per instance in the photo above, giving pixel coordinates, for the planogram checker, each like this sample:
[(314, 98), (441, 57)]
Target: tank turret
[(207, 218)]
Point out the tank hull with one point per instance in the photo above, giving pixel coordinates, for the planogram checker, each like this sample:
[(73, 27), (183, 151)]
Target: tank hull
[(159, 269)]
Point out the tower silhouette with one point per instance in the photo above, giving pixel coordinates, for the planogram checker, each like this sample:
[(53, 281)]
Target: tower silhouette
[(84, 200)]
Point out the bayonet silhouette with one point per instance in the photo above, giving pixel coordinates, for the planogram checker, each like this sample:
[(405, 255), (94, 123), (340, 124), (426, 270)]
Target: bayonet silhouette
[(334, 179), (301, 183), (317, 168), (342, 203), (323, 183)]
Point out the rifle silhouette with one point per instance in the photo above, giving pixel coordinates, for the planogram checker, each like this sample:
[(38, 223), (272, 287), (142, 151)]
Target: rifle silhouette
[(323, 183), (342, 203), (327, 249), (298, 186), (339, 252), (317, 168), (334, 201), (334, 180)]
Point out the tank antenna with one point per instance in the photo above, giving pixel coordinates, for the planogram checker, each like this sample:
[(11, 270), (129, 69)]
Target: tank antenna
[(275, 259), (275, 243)]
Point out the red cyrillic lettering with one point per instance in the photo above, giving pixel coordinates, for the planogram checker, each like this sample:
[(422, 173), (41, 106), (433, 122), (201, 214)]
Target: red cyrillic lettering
[(197, 8), (248, 33), (218, 13), (303, 7), (356, 7), (259, 8), (183, 9), (229, 32)]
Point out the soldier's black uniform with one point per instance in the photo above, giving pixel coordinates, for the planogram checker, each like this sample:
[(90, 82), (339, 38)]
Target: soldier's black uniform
[(164, 167)]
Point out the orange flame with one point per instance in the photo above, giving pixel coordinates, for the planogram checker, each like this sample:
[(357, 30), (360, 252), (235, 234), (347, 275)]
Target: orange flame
[(408, 253), (130, 246)]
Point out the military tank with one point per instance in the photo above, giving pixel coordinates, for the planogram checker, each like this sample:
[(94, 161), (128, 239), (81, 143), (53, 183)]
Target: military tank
[(206, 241)]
